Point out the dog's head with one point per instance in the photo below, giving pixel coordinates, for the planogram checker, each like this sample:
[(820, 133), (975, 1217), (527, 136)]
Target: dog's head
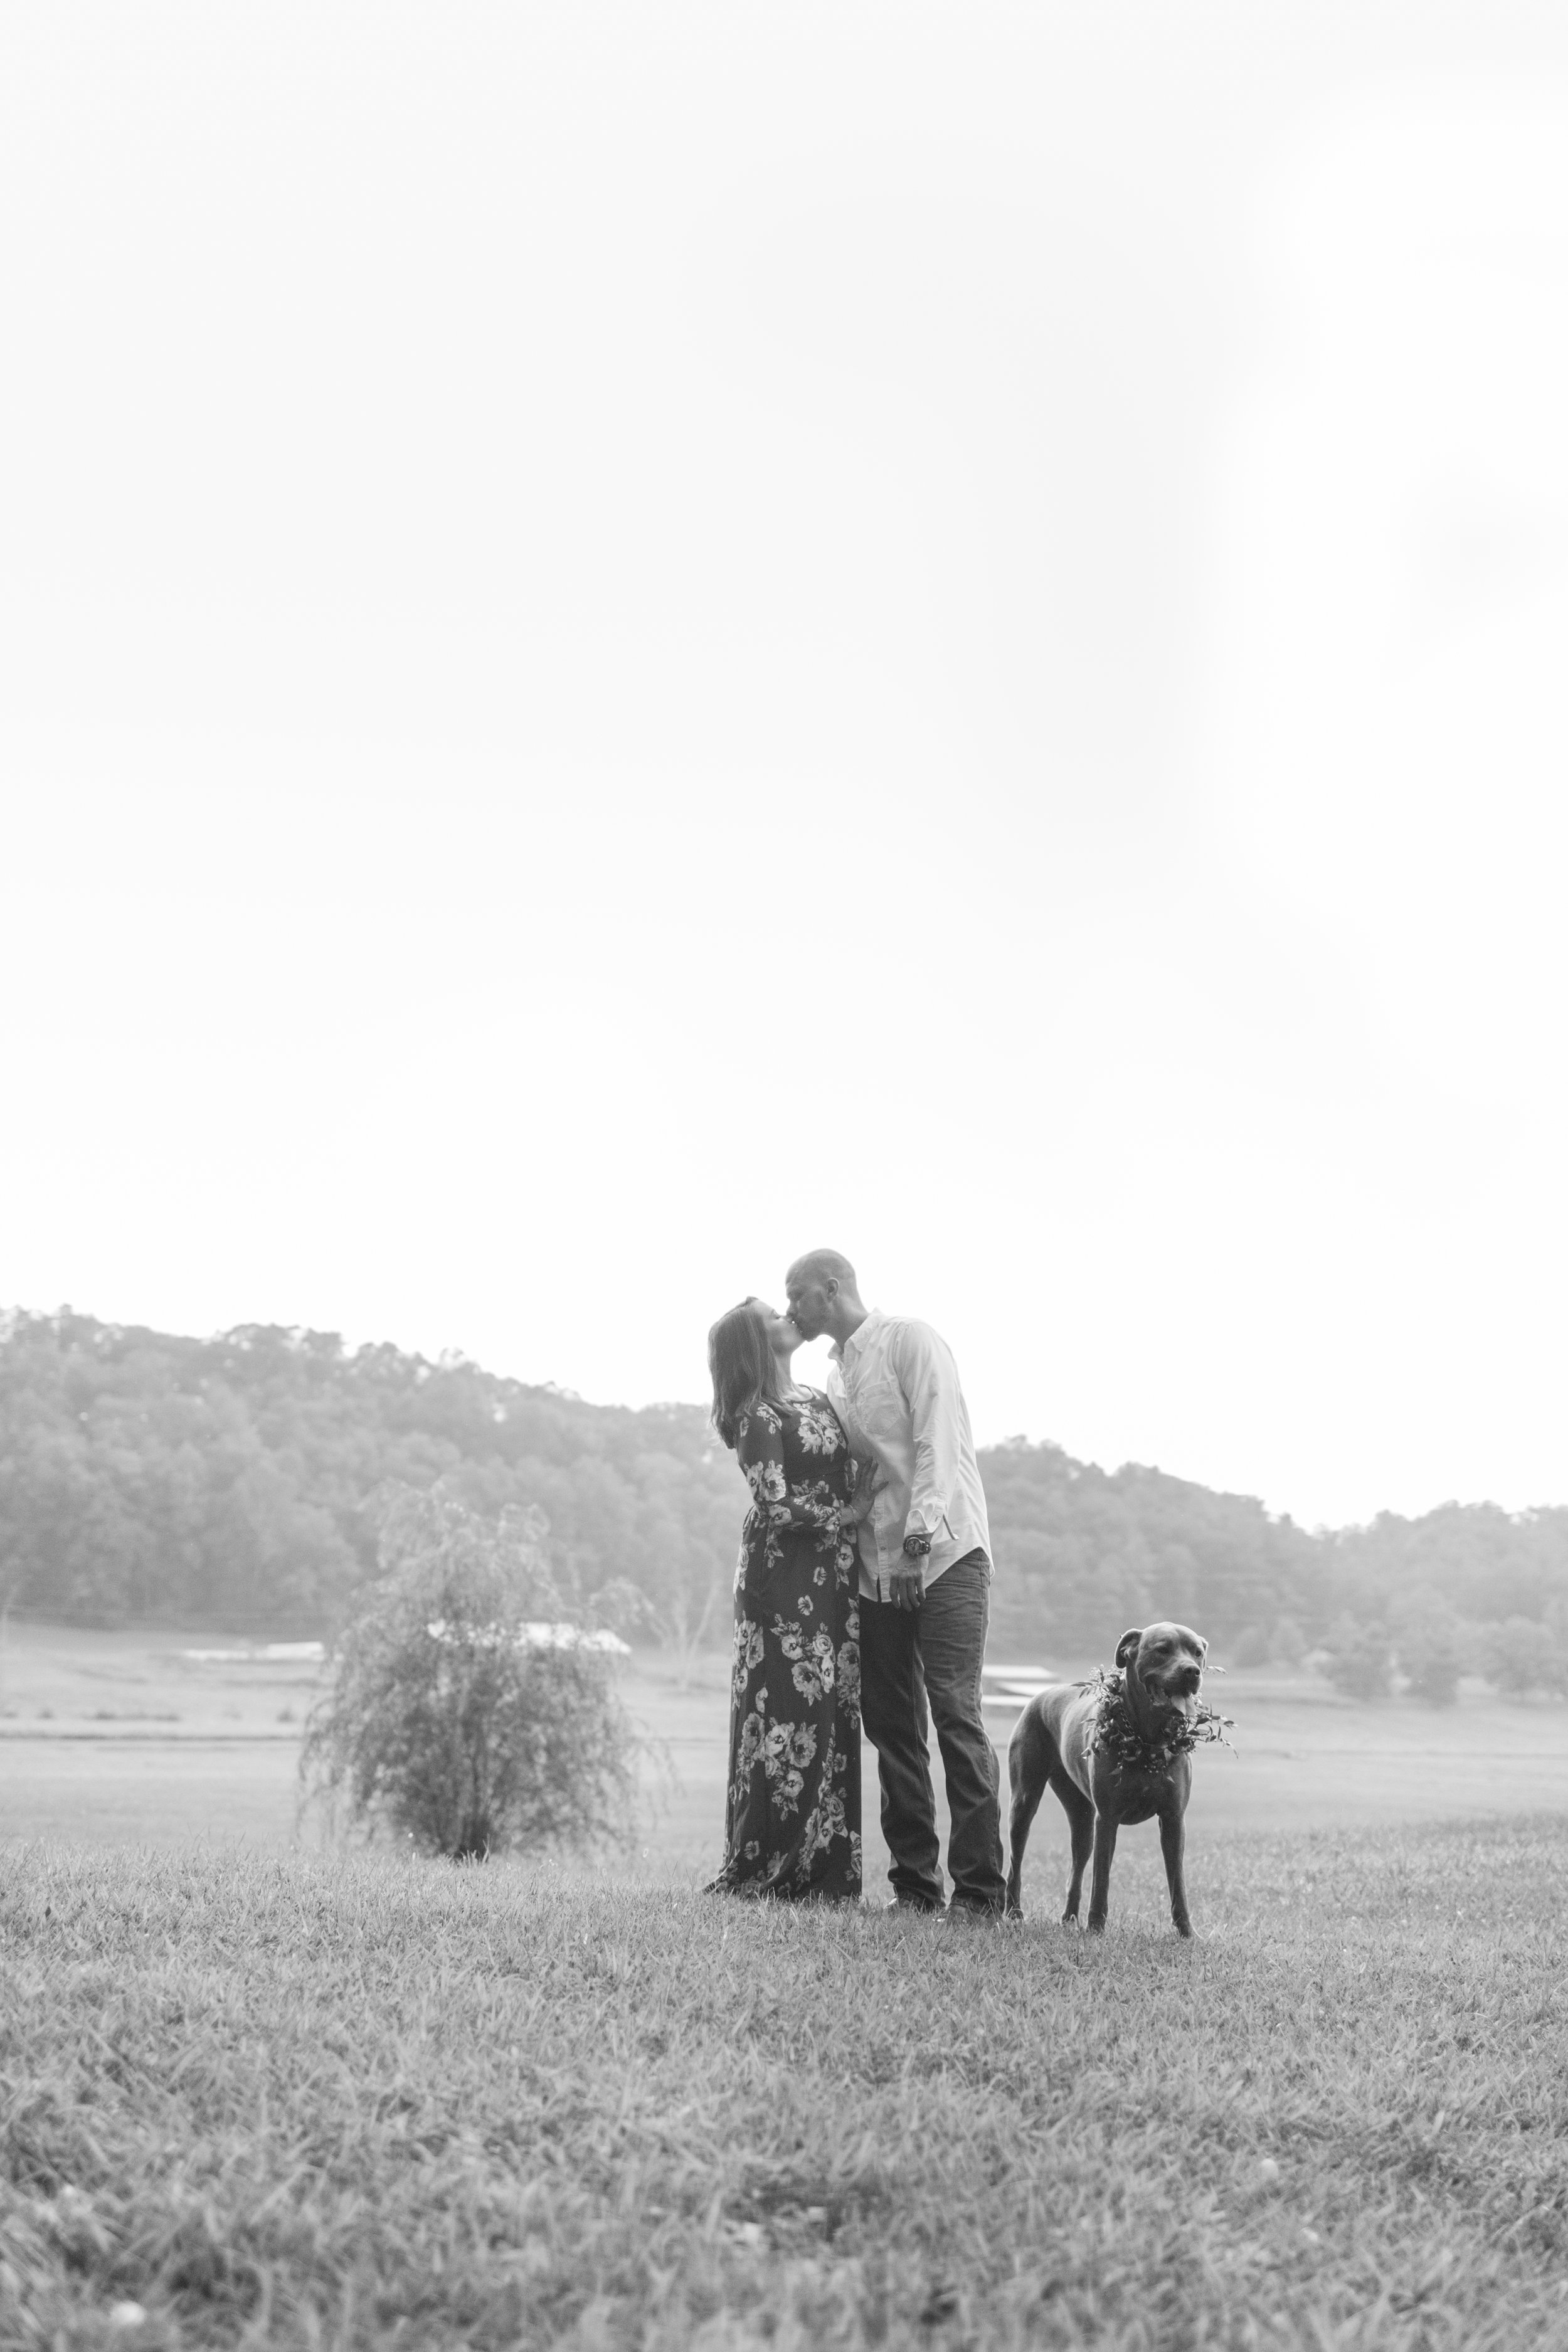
[(1163, 1664)]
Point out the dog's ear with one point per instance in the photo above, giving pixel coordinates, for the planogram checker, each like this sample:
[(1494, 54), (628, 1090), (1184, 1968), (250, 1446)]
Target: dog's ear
[(1127, 1648)]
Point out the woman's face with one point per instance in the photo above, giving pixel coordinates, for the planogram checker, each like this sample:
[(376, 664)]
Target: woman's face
[(783, 1336)]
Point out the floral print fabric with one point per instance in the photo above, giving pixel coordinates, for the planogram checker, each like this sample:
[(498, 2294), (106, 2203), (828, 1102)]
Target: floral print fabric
[(792, 1823)]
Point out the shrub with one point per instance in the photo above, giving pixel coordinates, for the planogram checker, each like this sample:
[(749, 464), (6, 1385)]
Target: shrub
[(1356, 1658), (1431, 1661), (623, 1609), (1522, 1654), (464, 1712), (1287, 1644), (1430, 1644)]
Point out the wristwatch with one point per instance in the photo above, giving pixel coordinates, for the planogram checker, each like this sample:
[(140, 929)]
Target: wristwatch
[(916, 1547)]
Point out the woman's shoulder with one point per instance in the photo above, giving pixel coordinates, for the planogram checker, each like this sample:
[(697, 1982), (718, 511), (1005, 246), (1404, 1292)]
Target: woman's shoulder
[(819, 1423)]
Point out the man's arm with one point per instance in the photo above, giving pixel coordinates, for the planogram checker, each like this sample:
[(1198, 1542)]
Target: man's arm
[(929, 1377)]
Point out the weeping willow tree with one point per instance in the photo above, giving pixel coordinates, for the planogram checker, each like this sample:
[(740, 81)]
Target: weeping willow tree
[(465, 1711)]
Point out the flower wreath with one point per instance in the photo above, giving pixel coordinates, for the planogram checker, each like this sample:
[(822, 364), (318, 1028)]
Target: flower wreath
[(1116, 1734)]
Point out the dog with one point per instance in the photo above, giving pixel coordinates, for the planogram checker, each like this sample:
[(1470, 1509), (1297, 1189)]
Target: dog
[(1133, 1773)]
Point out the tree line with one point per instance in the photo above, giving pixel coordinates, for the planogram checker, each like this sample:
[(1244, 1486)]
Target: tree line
[(231, 1481)]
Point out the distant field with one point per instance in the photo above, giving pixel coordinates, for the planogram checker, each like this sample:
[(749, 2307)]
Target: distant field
[(140, 1744), (309, 2101)]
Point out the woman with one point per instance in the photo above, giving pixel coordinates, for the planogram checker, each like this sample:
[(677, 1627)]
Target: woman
[(791, 1824)]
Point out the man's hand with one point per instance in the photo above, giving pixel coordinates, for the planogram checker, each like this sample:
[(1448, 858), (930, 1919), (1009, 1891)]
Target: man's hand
[(906, 1585)]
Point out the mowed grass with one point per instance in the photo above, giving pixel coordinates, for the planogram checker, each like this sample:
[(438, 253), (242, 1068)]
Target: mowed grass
[(331, 2100)]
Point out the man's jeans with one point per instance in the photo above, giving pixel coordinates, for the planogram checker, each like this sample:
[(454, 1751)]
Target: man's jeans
[(906, 1656)]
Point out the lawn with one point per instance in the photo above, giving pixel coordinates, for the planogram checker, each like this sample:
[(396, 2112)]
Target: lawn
[(319, 2099)]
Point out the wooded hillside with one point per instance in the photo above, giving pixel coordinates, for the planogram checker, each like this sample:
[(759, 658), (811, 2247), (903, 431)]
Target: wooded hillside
[(223, 1481)]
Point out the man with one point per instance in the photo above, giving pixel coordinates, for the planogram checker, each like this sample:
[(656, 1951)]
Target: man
[(925, 1584)]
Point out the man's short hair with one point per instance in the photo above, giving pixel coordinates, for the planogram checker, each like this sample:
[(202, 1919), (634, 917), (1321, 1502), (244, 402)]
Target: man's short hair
[(826, 1265)]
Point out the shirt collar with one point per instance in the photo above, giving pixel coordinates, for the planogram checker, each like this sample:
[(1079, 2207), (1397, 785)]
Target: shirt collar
[(861, 1332)]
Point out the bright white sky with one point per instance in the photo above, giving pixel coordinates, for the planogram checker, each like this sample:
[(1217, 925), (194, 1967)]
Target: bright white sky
[(635, 639)]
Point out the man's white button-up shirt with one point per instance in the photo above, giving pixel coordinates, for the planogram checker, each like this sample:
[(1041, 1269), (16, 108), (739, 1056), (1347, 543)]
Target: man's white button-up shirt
[(895, 1387)]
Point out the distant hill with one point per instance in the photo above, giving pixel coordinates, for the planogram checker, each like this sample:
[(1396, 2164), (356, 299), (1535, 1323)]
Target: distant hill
[(146, 1478)]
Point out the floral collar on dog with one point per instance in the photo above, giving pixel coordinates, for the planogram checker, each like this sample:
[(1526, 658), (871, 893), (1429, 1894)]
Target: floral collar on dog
[(1117, 1736)]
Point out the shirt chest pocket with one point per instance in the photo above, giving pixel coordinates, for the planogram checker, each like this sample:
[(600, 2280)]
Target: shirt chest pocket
[(880, 1410)]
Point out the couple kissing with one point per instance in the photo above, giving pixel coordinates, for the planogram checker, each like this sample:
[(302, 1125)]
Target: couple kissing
[(862, 1588)]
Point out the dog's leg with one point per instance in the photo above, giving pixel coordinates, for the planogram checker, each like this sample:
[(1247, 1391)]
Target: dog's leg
[(1081, 1826), (1105, 1829), (1031, 1754), (1173, 1844)]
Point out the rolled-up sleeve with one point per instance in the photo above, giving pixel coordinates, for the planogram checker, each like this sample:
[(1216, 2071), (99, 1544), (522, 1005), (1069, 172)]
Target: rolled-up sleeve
[(929, 1377)]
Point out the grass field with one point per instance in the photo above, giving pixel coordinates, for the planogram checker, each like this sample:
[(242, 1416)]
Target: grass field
[(324, 2101), (257, 2090)]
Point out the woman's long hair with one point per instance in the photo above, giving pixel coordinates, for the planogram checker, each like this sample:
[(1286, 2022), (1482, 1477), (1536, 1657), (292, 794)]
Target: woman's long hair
[(743, 1367)]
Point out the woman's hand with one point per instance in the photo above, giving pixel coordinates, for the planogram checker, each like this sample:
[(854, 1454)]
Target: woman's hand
[(870, 1480)]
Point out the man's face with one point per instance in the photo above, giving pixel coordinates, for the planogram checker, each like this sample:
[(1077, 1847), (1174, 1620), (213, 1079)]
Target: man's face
[(809, 1298)]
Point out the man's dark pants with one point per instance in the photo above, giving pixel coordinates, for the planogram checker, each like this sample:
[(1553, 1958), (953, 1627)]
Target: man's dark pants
[(908, 1656)]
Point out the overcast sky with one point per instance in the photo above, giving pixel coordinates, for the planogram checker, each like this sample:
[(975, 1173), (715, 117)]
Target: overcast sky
[(636, 639)]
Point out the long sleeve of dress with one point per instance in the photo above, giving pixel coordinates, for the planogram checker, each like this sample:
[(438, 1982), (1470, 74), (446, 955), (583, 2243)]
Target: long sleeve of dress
[(760, 1451)]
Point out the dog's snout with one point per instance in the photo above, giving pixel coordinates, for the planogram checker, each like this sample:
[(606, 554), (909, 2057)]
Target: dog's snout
[(1187, 1680)]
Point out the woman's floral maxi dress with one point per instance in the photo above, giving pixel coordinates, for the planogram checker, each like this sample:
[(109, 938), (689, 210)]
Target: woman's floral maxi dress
[(792, 1823)]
